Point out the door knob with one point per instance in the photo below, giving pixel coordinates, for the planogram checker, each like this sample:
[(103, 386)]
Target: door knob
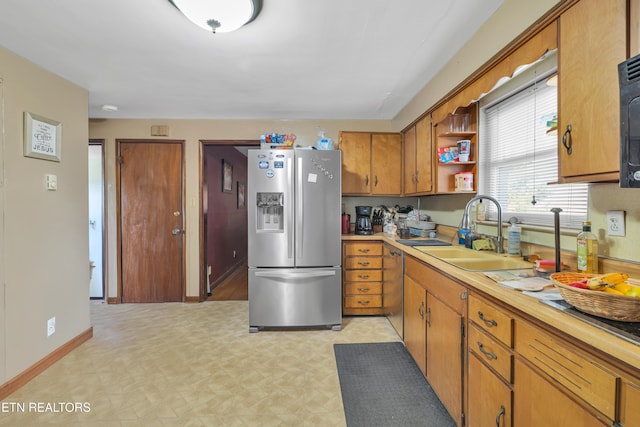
[(176, 231)]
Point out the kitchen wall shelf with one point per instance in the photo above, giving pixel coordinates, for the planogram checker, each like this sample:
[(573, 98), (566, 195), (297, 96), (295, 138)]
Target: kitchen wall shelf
[(445, 172)]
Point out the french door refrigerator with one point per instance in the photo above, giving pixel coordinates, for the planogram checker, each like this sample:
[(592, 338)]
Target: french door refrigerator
[(294, 254)]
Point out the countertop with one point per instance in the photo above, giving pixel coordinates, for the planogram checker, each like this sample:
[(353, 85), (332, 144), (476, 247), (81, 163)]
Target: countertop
[(604, 342)]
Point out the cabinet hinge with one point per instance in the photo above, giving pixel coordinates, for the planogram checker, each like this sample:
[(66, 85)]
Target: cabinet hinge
[(120, 160)]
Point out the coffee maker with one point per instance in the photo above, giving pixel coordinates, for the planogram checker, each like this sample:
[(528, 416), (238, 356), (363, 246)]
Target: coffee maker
[(363, 220)]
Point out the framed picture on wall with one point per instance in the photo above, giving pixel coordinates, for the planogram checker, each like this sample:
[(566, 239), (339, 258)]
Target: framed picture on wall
[(42, 137), (227, 176), (241, 191)]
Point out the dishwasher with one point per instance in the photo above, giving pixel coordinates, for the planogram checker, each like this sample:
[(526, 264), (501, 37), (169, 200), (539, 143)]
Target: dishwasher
[(392, 298)]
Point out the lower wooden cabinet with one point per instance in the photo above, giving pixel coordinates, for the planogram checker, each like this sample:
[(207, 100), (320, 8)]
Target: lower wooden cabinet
[(490, 398), (629, 401), (539, 402), (434, 331), (415, 327), (362, 286)]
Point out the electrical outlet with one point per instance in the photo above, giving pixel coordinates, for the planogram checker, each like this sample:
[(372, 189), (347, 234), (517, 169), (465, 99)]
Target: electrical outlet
[(51, 326), (615, 223)]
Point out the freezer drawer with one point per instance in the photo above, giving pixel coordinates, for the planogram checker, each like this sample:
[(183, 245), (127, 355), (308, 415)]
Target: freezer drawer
[(294, 297)]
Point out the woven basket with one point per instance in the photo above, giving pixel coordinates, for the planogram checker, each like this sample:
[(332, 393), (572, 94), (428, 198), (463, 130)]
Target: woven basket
[(601, 304)]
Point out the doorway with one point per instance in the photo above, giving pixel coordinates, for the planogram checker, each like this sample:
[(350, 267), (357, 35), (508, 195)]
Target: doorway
[(224, 219), (96, 219), (150, 180)]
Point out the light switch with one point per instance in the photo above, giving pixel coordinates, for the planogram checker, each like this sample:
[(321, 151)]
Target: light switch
[(52, 182)]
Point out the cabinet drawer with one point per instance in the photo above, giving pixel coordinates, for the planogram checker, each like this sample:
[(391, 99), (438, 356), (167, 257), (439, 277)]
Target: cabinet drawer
[(365, 288), (363, 301), (363, 262), (372, 248), (363, 276), (569, 366), (492, 352), (491, 319)]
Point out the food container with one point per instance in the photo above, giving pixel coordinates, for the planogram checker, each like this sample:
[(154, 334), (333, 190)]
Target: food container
[(463, 181), (601, 304)]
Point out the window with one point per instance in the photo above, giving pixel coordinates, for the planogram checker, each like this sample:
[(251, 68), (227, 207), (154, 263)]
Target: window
[(518, 154)]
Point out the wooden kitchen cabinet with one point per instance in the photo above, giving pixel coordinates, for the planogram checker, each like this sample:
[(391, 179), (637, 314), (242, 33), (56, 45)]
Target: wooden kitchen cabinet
[(574, 387), (444, 137), (490, 397), (592, 42), (434, 330), (490, 364), (362, 288), (629, 401), (371, 163), (417, 158), (415, 327), (538, 402)]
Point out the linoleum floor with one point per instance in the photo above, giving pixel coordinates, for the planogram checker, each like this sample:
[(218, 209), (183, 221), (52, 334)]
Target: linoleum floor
[(178, 364)]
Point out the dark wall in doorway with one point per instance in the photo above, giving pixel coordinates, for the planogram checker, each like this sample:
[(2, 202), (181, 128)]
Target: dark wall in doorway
[(225, 221)]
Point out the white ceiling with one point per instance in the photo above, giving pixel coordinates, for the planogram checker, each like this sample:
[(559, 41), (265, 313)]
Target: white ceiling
[(300, 59)]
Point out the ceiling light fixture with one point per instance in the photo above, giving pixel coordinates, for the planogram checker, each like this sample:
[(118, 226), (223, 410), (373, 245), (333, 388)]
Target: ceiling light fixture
[(219, 16), (109, 108)]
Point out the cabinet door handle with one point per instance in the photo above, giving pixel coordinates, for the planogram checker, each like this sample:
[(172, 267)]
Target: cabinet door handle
[(375, 181), (366, 180), (364, 289), (490, 322), (417, 180), (421, 310), (363, 263), (567, 140), (361, 302), (489, 354), (500, 415), (364, 251), (363, 276)]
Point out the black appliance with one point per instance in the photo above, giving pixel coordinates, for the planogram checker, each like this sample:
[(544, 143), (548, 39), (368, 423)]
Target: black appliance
[(363, 220), (629, 77)]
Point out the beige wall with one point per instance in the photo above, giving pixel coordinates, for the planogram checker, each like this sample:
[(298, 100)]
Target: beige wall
[(45, 233), (192, 131)]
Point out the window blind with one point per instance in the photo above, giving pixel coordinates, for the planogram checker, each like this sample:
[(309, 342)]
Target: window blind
[(519, 160)]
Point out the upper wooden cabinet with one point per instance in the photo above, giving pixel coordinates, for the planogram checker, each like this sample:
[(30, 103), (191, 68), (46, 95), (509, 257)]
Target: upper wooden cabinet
[(592, 42), (417, 158), (445, 136), (371, 163)]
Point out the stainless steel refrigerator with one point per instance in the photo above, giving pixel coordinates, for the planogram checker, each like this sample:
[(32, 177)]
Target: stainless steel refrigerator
[(294, 216)]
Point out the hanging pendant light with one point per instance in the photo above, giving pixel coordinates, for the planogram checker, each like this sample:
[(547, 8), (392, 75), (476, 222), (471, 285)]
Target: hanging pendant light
[(219, 16)]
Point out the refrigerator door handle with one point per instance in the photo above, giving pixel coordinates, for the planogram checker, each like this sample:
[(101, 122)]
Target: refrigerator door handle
[(300, 211), (290, 228), (296, 275)]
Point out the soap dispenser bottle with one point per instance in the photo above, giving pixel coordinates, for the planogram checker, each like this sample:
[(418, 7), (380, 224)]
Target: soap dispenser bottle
[(513, 244)]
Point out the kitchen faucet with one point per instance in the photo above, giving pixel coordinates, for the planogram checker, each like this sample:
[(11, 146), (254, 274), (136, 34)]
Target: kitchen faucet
[(465, 218)]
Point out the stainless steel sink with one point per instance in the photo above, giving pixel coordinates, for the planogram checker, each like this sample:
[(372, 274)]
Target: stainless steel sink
[(470, 260)]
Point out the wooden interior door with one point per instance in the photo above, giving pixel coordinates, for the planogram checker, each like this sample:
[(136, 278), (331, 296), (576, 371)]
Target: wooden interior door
[(151, 220)]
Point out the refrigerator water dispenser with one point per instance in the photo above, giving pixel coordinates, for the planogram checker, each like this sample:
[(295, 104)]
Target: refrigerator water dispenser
[(270, 212)]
